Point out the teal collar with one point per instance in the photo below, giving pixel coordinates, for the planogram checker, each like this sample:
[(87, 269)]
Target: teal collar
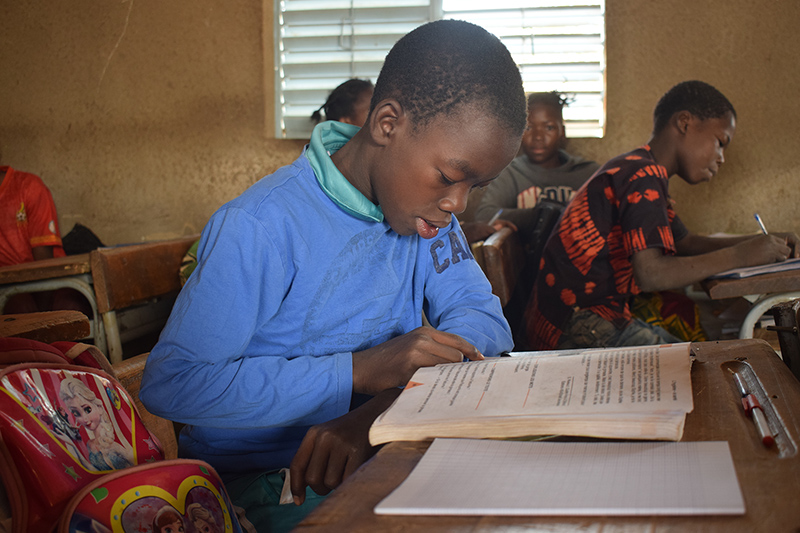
[(326, 139)]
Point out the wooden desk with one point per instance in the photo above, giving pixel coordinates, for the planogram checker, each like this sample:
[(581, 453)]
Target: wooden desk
[(768, 481), (58, 267), (48, 326), (72, 271), (133, 278), (762, 291)]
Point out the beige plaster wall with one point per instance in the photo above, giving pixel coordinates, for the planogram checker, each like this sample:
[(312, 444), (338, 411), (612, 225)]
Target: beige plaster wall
[(742, 47), (144, 116)]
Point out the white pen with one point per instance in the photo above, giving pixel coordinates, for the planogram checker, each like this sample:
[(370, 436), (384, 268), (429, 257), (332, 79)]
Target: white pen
[(495, 217), (754, 410), (761, 224)]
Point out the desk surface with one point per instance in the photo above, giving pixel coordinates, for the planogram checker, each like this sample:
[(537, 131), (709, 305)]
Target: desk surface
[(775, 282), (768, 481), (57, 267), (47, 326)]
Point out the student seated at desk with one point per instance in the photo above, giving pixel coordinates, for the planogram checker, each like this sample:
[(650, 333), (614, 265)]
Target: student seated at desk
[(620, 235), (348, 103), (310, 287), (29, 232), (545, 172), (29, 222)]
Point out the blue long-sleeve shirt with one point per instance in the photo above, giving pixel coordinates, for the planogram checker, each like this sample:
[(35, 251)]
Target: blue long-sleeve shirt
[(293, 277)]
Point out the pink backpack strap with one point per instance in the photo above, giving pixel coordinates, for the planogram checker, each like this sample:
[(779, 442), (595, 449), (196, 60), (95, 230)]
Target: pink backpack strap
[(89, 355), (14, 350)]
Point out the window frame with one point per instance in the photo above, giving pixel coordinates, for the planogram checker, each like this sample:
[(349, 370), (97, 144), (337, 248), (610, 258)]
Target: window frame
[(584, 118)]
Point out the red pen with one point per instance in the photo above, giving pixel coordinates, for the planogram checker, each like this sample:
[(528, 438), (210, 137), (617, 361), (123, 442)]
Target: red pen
[(754, 411)]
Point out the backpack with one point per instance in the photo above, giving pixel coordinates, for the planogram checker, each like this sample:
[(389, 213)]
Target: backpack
[(62, 427), (75, 454), (150, 497)]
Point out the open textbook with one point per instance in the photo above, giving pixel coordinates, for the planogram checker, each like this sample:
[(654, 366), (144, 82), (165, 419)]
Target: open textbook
[(641, 392)]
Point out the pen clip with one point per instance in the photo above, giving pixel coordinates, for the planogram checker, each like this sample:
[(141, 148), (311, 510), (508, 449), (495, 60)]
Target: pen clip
[(749, 403)]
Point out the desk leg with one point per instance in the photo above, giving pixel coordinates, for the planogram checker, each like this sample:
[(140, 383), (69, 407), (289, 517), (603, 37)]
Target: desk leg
[(761, 306), (112, 337)]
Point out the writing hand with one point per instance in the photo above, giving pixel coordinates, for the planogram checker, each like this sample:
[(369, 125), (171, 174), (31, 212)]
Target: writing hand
[(500, 224), (791, 240), (392, 363), (763, 249), (480, 231), (331, 451)]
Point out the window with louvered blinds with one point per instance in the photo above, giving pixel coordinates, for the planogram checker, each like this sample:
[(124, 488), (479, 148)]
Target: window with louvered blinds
[(558, 45)]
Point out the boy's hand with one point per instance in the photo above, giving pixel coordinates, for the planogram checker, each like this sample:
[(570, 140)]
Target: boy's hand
[(480, 231), (392, 363), (765, 249), (331, 451), (792, 241)]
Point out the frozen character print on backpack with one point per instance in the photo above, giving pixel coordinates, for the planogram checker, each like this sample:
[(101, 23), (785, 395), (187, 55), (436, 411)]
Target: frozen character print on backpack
[(89, 413), (202, 519)]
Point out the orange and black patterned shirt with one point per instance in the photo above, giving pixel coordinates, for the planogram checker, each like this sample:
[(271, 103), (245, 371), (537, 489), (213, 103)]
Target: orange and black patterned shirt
[(623, 209)]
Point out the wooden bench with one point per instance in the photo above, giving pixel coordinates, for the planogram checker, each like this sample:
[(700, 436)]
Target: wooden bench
[(502, 262), (139, 281)]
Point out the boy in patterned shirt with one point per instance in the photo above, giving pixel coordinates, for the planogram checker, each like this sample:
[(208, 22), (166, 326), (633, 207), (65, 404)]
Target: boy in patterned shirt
[(620, 236)]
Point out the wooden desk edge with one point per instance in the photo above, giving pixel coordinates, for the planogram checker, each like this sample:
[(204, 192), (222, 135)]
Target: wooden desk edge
[(58, 267), (47, 326), (775, 282)]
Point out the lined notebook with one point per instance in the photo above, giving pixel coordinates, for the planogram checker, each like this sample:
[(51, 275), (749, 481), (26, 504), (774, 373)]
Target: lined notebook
[(491, 477)]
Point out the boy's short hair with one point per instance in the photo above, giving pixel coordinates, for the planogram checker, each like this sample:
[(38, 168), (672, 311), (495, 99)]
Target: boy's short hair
[(698, 98), (554, 99), (440, 66)]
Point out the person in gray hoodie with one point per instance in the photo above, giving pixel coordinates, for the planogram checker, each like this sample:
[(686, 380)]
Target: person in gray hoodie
[(544, 173)]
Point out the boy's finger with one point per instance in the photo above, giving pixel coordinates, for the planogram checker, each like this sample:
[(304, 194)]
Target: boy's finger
[(335, 472), (454, 341), (297, 470), (317, 471)]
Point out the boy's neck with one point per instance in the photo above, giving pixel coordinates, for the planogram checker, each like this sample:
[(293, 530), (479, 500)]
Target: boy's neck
[(662, 150), (351, 161)]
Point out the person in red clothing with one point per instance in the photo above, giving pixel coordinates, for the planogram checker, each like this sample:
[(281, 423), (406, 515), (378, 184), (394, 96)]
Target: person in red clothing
[(28, 219), (29, 232), (620, 236)]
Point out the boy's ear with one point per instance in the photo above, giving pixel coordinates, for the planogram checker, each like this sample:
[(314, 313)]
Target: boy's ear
[(385, 119), (682, 120)]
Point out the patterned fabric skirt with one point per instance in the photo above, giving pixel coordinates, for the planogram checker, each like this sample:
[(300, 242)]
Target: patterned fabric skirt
[(673, 311)]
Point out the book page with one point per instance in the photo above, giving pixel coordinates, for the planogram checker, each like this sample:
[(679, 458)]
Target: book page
[(631, 380), (569, 478)]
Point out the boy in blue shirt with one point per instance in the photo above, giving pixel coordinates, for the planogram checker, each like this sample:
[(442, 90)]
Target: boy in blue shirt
[(311, 286)]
